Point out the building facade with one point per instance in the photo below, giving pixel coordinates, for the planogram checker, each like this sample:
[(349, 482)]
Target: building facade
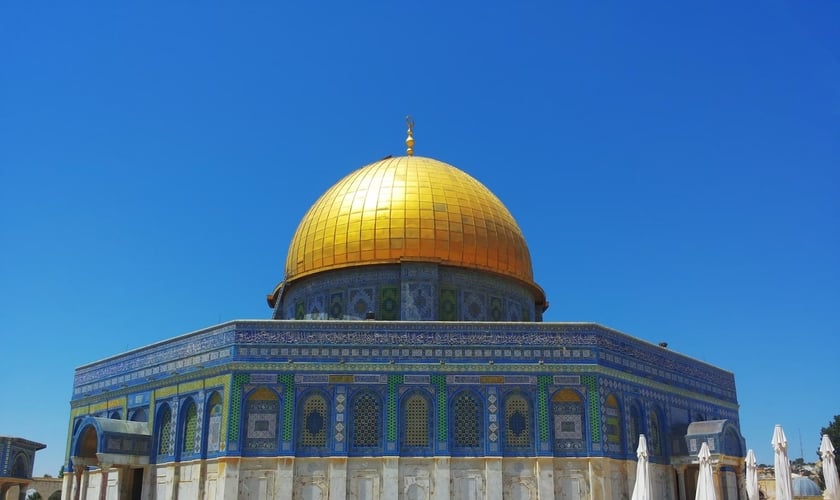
[(406, 357)]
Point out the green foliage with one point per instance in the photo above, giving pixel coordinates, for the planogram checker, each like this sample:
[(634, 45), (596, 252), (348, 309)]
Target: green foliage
[(833, 431)]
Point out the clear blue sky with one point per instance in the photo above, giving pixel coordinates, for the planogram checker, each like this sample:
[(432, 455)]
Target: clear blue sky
[(674, 168)]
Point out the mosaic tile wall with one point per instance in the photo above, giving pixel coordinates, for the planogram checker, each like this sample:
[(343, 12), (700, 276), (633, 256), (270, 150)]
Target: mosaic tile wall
[(337, 359), (405, 342), (500, 413), (408, 292)]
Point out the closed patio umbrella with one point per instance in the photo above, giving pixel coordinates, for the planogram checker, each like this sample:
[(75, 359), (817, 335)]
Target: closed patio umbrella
[(705, 480), (832, 483), (752, 476), (641, 490), (781, 465)]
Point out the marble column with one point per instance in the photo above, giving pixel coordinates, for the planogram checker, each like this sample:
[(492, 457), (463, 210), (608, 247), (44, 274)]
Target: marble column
[(103, 481), (681, 481), (77, 484)]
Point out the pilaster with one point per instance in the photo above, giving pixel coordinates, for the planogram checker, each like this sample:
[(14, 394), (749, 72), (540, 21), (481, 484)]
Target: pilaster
[(228, 481), (390, 477), (494, 484), (545, 478), (285, 481), (338, 478)]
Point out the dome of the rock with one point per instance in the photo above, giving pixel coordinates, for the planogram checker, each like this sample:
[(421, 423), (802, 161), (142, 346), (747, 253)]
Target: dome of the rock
[(409, 208)]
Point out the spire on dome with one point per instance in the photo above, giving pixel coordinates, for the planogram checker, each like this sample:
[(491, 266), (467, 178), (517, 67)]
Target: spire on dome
[(409, 141)]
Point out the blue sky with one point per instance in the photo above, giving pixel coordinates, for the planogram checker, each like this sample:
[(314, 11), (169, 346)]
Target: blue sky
[(674, 168)]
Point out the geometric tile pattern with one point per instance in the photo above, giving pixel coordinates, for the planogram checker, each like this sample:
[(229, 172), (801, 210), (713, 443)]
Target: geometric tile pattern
[(591, 384), (287, 380), (543, 382), (394, 382), (517, 423)]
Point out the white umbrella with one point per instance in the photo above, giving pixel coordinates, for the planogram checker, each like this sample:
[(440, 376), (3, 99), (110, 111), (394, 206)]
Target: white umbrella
[(752, 476), (832, 483), (705, 480), (642, 488), (781, 465)]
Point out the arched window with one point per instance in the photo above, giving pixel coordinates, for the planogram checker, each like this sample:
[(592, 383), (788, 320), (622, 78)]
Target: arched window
[(634, 423), (416, 427), (189, 428), (466, 423), (568, 412), (731, 443), (517, 424), (165, 434), (365, 423), (115, 415), (262, 415), (20, 469), (312, 424), (139, 415), (214, 423), (612, 424), (655, 434)]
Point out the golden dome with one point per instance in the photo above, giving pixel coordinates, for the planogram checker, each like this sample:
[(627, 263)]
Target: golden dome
[(409, 208)]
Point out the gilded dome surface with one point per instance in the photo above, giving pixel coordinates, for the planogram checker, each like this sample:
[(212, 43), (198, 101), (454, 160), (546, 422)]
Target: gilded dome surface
[(409, 208)]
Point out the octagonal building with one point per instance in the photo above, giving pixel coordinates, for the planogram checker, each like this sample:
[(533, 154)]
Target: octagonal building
[(405, 358)]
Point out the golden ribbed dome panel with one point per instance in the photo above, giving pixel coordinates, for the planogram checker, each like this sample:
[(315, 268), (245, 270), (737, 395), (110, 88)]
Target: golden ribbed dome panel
[(409, 208)]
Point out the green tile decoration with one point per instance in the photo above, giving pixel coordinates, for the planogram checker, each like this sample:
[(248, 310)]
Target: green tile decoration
[(591, 383), (448, 304), (287, 380), (439, 381), (543, 381), (239, 381), (394, 382), (389, 303)]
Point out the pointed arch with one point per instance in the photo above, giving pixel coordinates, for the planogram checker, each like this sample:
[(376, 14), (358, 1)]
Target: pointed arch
[(635, 425), (416, 423), (189, 428), (164, 435), (313, 425), (213, 424), (466, 423), (139, 415), (656, 433), (612, 425), (262, 421), (518, 424), (366, 429), (20, 466), (568, 411)]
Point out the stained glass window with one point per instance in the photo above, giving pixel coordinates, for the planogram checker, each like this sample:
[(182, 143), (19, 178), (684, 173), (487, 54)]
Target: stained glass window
[(517, 422), (313, 422), (466, 412), (366, 421)]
